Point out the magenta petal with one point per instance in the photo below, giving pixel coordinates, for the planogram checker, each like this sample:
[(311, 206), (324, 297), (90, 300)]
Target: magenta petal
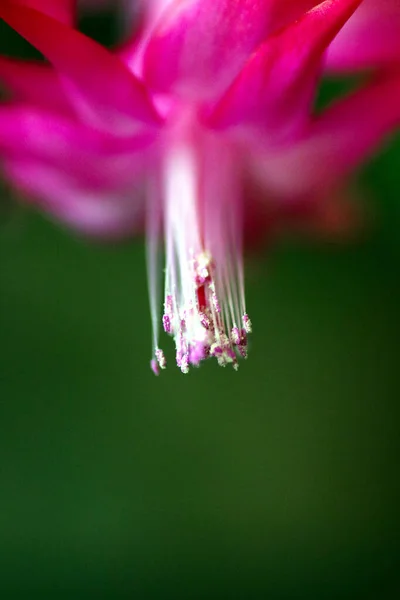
[(336, 143), (199, 46), (27, 127), (274, 92), (91, 156), (370, 39), (34, 82), (102, 214), (103, 90), (62, 10)]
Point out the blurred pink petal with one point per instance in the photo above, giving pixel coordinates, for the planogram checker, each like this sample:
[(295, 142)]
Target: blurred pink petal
[(131, 50), (204, 43), (122, 104), (335, 214), (91, 156), (62, 10), (28, 127), (275, 90), (370, 39), (34, 82), (92, 212), (337, 141)]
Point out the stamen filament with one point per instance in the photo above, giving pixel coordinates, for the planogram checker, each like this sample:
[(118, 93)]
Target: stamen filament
[(204, 297)]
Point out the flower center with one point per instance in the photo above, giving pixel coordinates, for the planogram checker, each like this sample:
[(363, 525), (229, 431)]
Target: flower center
[(204, 307)]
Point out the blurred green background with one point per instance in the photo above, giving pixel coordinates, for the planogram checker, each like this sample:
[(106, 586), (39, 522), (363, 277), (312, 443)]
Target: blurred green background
[(279, 481)]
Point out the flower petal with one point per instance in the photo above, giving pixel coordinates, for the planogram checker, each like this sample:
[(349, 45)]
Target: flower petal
[(199, 46), (332, 215), (101, 214), (370, 39), (103, 90), (62, 10), (34, 82), (91, 156), (131, 50), (336, 143), (25, 126), (274, 92)]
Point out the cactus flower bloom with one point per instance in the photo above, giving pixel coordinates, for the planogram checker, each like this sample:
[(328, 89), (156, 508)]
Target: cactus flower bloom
[(170, 130), (368, 40)]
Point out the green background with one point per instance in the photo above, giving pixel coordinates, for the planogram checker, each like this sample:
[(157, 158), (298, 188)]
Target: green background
[(279, 481)]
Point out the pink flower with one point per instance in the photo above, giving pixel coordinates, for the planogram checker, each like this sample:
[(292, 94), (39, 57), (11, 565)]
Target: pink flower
[(213, 94), (370, 38)]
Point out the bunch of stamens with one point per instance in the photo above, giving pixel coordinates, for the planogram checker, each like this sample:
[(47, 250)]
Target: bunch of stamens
[(199, 324)]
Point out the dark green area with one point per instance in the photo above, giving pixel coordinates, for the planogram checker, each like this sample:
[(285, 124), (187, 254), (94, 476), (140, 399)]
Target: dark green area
[(278, 481)]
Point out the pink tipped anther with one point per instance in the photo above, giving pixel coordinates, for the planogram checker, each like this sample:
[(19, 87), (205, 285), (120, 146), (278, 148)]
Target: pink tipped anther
[(154, 366), (216, 350), (168, 304), (205, 321), (160, 357), (167, 323), (230, 355), (242, 349), (235, 336), (216, 303), (247, 323), (184, 366), (182, 357)]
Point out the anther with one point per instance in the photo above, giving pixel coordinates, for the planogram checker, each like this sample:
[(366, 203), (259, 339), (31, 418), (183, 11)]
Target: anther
[(216, 303), (247, 323), (160, 358), (166, 323), (235, 335), (154, 366)]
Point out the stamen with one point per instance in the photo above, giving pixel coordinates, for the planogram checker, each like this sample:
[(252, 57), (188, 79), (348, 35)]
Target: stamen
[(167, 323), (154, 366), (159, 362), (204, 297), (247, 323), (235, 335)]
